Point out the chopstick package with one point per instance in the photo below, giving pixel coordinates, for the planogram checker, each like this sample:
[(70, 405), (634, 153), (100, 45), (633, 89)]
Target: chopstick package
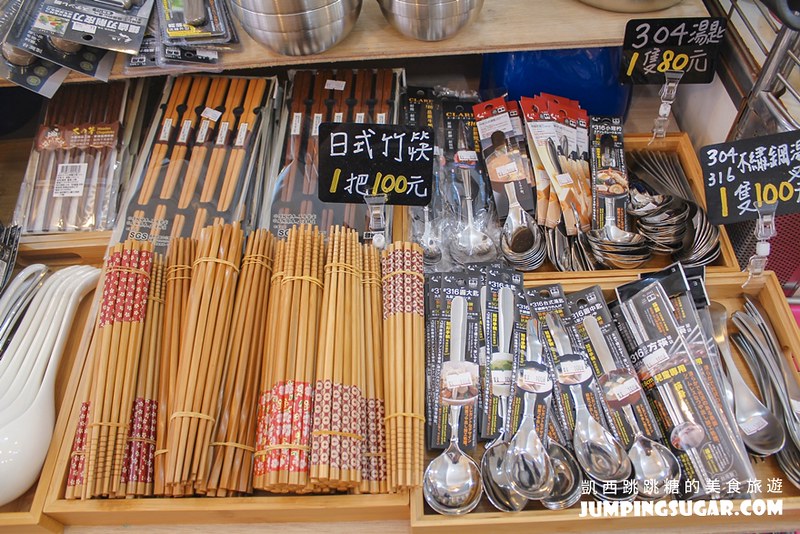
[(365, 96), (199, 161), (73, 172)]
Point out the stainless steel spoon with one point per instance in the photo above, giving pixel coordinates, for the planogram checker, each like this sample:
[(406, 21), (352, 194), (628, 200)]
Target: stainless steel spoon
[(452, 482), (519, 229), (431, 251), (493, 468), (760, 430), (567, 478), (528, 466), (653, 463)]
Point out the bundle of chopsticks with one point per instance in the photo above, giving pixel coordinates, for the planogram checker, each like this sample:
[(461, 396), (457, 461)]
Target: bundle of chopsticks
[(115, 365), (205, 132), (228, 368), (403, 335), (70, 177)]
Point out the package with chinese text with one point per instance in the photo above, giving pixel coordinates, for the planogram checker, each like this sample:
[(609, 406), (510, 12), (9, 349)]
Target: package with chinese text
[(198, 165), (72, 177)]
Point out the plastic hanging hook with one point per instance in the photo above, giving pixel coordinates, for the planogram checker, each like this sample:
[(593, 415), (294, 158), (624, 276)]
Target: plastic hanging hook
[(376, 204), (668, 93), (765, 230)]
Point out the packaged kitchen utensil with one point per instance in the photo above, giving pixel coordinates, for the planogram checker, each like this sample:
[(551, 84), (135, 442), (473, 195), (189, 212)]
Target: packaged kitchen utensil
[(27, 34), (117, 25), (453, 355), (467, 197), (73, 172), (189, 22), (629, 410), (35, 74), (503, 336), (698, 433), (365, 96), (198, 164), (609, 173), (569, 362)]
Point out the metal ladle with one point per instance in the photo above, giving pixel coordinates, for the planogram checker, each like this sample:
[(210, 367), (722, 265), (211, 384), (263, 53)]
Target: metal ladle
[(760, 430), (496, 484)]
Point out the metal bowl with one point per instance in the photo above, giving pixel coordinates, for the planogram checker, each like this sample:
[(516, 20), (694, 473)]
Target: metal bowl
[(632, 6), (430, 28), (305, 42), (340, 11), (423, 10), (283, 7)]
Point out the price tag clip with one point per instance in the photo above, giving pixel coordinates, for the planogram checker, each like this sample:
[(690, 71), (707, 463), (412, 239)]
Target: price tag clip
[(765, 230), (376, 204), (668, 93)]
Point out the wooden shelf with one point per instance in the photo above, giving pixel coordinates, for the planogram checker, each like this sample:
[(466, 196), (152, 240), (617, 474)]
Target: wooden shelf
[(507, 26), (725, 288)]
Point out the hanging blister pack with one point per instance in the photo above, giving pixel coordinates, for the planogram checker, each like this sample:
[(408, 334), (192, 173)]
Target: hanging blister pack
[(108, 25), (177, 28), (27, 35)]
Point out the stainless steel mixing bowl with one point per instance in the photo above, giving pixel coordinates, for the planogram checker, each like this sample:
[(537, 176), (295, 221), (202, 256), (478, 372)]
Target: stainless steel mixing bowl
[(422, 10), (430, 27), (632, 6), (324, 16), (283, 7)]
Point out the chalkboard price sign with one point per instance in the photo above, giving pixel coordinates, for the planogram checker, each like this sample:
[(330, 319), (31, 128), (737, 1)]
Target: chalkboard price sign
[(372, 159), (654, 46), (741, 175)]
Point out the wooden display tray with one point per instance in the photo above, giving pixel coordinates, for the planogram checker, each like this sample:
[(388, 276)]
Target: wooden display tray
[(25, 514), (681, 144), (507, 26), (722, 287), (68, 248)]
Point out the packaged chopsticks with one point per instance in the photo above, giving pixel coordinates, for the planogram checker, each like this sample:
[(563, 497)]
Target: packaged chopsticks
[(283, 436), (362, 96), (404, 364), (338, 419), (137, 466), (177, 282), (233, 443), (203, 356), (373, 455), (101, 436), (73, 171), (197, 165)]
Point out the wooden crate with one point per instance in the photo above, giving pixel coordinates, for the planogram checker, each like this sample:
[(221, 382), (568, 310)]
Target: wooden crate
[(26, 513), (722, 287), (682, 145)]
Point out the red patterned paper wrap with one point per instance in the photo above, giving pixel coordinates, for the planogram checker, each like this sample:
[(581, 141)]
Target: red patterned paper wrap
[(373, 462), (338, 409), (78, 456), (277, 427), (140, 449), (110, 290)]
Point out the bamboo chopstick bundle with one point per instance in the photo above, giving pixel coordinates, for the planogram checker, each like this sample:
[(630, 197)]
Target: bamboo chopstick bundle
[(284, 426), (137, 469), (115, 364), (234, 436), (204, 339), (403, 331), (373, 456), (337, 430), (177, 281)]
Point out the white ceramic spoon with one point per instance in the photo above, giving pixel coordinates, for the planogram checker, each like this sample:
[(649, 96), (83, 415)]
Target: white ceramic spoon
[(31, 335), (24, 441)]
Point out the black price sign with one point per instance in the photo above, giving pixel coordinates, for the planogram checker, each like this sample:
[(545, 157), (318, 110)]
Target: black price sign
[(742, 175), (654, 46), (375, 159)]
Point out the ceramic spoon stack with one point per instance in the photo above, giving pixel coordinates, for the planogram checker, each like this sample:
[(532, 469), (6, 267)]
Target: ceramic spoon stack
[(234, 435), (202, 357), (28, 373), (284, 426), (404, 365)]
